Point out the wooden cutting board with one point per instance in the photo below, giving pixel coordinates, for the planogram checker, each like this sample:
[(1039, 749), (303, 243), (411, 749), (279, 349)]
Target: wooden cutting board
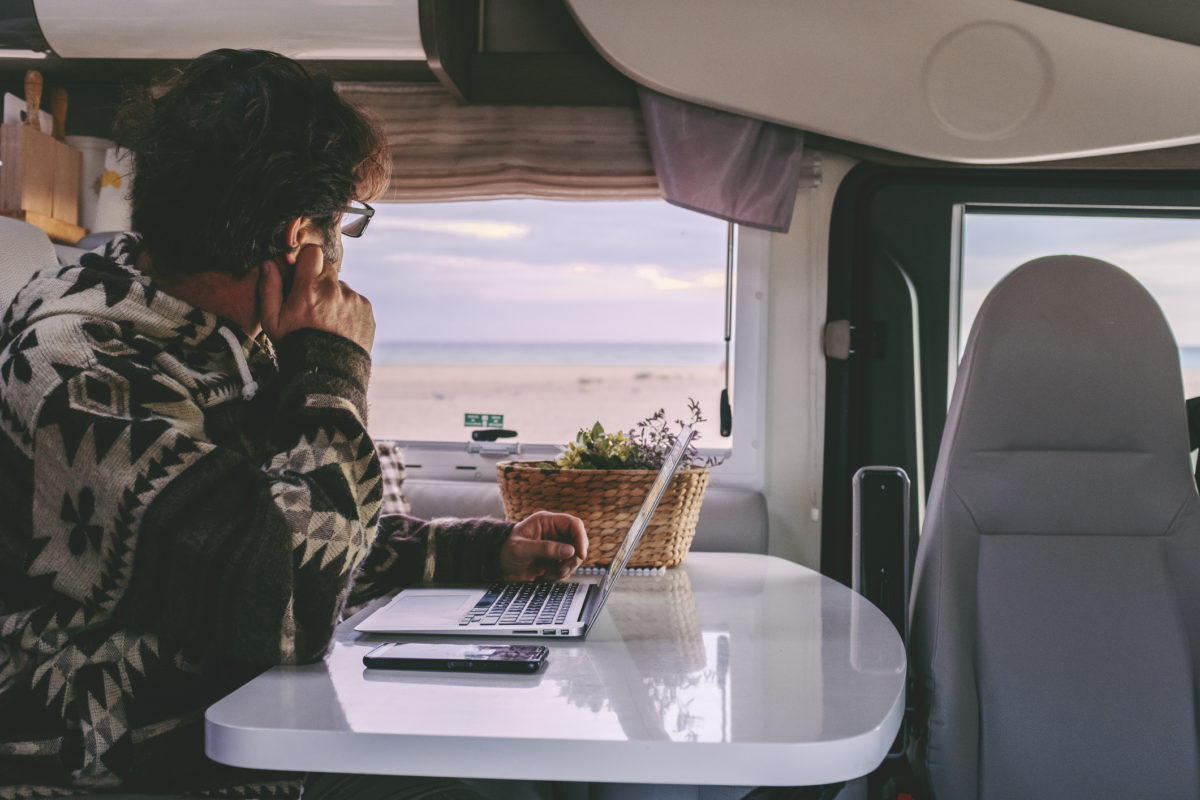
[(39, 179)]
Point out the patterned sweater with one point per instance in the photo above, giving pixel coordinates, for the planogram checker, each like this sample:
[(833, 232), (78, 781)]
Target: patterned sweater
[(181, 507)]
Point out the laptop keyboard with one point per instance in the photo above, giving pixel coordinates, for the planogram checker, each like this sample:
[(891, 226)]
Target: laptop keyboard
[(523, 603)]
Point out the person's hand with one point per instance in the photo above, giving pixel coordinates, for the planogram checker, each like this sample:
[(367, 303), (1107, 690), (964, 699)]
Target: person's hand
[(543, 545), (316, 299)]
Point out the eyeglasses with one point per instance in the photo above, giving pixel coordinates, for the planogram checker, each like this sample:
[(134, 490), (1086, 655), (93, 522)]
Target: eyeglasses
[(359, 216)]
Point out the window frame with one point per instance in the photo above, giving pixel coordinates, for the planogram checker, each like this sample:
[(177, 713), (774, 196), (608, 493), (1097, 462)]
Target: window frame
[(961, 210), (468, 461)]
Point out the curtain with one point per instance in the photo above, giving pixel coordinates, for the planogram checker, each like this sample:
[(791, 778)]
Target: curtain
[(445, 151), (718, 163), (733, 167)]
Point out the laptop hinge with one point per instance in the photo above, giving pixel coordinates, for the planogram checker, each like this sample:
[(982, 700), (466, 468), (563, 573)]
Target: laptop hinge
[(593, 595)]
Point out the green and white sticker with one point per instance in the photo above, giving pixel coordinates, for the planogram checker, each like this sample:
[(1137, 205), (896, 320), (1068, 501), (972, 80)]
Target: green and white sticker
[(483, 420)]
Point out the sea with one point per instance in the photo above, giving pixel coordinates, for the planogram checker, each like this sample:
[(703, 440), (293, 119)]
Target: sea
[(615, 353), (585, 353)]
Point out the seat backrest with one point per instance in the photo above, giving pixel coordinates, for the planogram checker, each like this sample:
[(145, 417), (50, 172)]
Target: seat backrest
[(24, 250), (1055, 614)]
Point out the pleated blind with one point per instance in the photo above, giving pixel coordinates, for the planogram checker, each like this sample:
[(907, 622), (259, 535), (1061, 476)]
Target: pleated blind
[(445, 151)]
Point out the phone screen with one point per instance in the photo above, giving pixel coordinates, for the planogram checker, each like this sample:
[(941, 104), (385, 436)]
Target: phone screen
[(447, 657)]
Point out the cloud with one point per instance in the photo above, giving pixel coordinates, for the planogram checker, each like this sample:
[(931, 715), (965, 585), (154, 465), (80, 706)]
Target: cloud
[(505, 270), (580, 283), (657, 279), (512, 269), (463, 263), (1163, 254), (499, 280), (474, 228)]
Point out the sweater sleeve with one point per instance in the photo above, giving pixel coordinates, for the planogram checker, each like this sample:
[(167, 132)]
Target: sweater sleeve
[(409, 550), (244, 562)]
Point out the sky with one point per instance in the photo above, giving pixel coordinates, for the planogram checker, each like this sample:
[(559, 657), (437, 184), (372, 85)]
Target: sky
[(1163, 254), (647, 271), (532, 270)]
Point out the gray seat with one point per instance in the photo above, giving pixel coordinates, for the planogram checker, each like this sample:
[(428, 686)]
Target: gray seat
[(24, 250), (1055, 614)]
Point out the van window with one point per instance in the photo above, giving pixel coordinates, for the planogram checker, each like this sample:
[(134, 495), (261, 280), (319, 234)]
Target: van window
[(1162, 253), (541, 317), (912, 252)]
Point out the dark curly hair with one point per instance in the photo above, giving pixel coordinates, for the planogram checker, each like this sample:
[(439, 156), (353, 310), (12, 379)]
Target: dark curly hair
[(235, 146)]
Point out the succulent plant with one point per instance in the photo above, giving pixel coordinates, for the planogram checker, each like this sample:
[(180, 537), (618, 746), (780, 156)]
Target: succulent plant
[(597, 449)]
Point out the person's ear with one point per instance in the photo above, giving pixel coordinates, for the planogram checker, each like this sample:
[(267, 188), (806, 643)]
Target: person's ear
[(291, 238), (298, 233)]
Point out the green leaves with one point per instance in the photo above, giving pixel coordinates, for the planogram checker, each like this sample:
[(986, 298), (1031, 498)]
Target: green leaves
[(595, 449), (646, 446)]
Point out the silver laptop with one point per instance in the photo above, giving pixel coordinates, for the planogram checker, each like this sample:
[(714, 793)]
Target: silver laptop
[(522, 608)]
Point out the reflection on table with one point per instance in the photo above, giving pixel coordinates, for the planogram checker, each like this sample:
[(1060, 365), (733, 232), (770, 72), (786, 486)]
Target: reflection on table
[(731, 669), (675, 680)]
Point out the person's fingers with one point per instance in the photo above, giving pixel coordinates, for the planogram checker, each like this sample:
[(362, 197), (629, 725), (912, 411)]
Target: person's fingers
[(545, 544), (529, 550), (565, 568), (569, 529), (577, 535), (310, 263), (311, 295), (556, 525)]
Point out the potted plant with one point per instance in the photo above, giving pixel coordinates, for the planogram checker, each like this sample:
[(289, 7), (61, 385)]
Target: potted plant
[(603, 477)]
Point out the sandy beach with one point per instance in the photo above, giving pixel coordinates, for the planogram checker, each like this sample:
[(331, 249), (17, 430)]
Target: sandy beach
[(548, 404), (543, 403)]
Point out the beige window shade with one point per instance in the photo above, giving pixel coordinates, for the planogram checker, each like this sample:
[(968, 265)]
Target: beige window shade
[(445, 151)]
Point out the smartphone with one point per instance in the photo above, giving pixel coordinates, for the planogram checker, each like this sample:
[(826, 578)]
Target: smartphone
[(882, 558), (445, 657)]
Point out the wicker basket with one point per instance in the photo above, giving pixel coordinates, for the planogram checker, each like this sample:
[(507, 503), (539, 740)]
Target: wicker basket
[(607, 500)]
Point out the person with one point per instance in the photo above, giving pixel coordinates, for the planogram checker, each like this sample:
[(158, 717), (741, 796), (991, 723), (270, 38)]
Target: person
[(190, 494)]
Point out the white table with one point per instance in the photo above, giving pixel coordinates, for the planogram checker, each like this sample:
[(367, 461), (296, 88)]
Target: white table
[(733, 669)]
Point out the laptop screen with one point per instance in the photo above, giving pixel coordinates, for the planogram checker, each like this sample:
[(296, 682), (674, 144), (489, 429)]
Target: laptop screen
[(657, 490)]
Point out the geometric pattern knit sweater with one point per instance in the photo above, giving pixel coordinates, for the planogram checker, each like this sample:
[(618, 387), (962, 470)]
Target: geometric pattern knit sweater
[(181, 507)]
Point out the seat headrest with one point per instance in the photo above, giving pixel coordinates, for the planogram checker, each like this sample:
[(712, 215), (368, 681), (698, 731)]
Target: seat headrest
[(24, 250), (1070, 353), (1068, 413)]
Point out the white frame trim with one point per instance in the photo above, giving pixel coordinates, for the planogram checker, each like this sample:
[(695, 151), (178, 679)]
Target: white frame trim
[(958, 238)]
